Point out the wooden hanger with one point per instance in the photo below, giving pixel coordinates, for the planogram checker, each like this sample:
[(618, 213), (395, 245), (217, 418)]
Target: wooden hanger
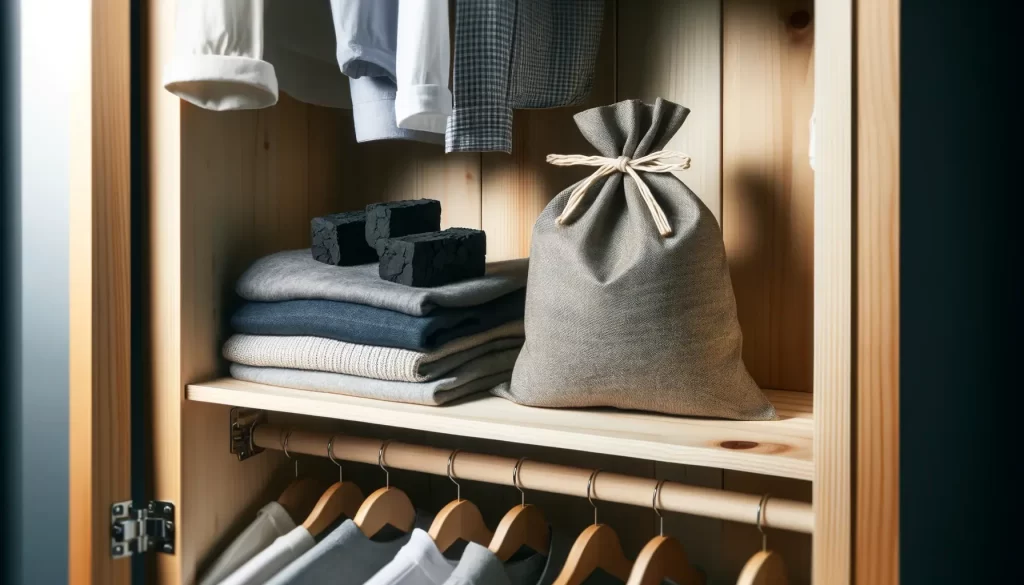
[(301, 494), (387, 506), (342, 499), (460, 519), (521, 526), (300, 497), (663, 558), (597, 548), (766, 567)]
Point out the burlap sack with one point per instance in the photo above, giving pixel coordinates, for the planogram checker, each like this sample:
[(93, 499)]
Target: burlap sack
[(628, 306)]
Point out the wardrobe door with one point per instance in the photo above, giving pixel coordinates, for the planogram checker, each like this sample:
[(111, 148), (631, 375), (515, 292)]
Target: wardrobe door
[(100, 287)]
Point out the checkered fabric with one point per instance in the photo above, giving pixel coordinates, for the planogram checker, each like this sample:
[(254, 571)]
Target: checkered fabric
[(518, 54), (481, 118)]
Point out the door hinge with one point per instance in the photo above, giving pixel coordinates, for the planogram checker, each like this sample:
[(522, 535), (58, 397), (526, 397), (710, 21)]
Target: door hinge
[(136, 530)]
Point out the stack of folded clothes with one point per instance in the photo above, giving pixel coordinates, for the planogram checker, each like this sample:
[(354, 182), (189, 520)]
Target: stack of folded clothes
[(343, 329)]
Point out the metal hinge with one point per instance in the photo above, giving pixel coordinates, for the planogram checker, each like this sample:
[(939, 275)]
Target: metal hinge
[(138, 530)]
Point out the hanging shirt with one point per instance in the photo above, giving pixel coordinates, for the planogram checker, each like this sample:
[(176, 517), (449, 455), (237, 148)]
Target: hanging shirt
[(269, 561), (271, 522), (423, 101), (518, 54), (367, 39), (299, 42), (218, 56), (419, 562), (479, 566), (237, 54), (345, 551)]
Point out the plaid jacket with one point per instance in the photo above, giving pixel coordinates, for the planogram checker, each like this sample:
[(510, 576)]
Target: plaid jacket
[(518, 54)]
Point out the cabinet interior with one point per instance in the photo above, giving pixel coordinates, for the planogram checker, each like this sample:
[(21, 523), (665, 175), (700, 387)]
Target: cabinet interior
[(250, 181)]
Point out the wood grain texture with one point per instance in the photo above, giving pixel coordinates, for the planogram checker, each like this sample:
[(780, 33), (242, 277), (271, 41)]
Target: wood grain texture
[(833, 291), (781, 448), (877, 528), (392, 171), (162, 112), (99, 440), (516, 187), (673, 50), (768, 185)]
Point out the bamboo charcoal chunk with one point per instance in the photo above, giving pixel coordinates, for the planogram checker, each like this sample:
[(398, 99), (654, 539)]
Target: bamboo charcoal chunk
[(434, 259), (338, 239), (394, 219)]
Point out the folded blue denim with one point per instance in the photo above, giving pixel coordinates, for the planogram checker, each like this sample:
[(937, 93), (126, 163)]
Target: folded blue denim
[(477, 375), (295, 275), (372, 326)]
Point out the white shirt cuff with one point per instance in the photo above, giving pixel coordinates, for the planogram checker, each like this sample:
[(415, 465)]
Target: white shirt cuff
[(423, 107), (222, 82)]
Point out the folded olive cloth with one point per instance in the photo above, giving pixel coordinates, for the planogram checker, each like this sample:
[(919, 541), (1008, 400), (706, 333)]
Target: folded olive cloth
[(369, 361), (295, 275), (477, 375), (367, 325)]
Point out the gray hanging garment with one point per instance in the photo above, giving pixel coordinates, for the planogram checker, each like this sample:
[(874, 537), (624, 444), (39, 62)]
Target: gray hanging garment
[(626, 311)]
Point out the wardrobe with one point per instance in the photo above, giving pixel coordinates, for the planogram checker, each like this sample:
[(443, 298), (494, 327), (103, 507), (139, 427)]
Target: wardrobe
[(171, 203)]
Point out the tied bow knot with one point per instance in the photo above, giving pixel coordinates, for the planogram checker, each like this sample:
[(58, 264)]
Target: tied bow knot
[(662, 161)]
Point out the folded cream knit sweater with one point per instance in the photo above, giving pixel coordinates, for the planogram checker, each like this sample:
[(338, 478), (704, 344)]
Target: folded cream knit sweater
[(368, 361)]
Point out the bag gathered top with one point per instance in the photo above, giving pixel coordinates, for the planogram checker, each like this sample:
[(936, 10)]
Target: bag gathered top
[(629, 302)]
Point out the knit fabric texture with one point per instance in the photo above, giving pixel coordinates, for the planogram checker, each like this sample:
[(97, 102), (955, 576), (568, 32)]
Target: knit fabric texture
[(618, 315), (369, 361), (476, 375), (294, 274)]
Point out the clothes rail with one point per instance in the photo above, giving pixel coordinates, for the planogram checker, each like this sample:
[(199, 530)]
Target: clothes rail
[(538, 476)]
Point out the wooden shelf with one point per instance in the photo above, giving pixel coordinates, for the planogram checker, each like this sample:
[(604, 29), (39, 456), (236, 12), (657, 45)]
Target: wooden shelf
[(780, 448)]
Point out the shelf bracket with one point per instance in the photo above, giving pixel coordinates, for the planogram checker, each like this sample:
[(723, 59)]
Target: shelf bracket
[(243, 421)]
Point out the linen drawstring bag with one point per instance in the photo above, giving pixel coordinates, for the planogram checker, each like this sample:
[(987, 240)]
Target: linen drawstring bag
[(629, 302)]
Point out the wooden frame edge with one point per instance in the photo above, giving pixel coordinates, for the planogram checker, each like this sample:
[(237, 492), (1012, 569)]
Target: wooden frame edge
[(162, 185), (876, 504), (99, 435), (834, 240)]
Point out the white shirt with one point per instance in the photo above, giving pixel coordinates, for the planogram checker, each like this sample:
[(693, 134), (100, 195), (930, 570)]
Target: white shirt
[(423, 56), (218, 56), (269, 561), (366, 32), (236, 54), (417, 563), (271, 522)]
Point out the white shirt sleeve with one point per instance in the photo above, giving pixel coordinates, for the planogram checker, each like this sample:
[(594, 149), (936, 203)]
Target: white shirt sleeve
[(423, 101), (218, 56)]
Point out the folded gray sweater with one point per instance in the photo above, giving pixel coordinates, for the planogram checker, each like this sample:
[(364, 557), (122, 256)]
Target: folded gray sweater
[(368, 361), (294, 275), (477, 375)]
